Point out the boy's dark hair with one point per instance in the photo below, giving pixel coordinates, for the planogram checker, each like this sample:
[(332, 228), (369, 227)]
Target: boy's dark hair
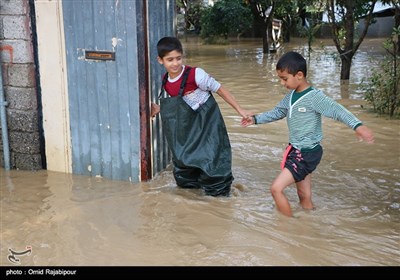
[(168, 44), (292, 62)]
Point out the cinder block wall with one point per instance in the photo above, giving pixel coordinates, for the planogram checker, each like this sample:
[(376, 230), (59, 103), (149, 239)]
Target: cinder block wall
[(19, 86)]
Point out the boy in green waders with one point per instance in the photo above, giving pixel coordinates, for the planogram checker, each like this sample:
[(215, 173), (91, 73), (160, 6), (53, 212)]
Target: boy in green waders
[(193, 124)]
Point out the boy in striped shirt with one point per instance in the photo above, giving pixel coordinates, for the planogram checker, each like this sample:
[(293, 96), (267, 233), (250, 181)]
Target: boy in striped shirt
[(303, 107)]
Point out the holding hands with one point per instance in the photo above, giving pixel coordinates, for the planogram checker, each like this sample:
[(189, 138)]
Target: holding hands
[(245, 113), (248, 120)]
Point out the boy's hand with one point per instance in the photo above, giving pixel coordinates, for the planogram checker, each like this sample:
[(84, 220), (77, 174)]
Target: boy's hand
[(365, 134), (246, 121), (155, 109), (245, 113)]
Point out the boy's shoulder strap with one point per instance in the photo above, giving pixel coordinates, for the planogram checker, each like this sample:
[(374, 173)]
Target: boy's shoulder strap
[(183, 83), (164, 81), (184, 79)]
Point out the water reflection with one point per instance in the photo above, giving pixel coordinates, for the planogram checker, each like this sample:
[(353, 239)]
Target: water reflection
[(78, 220)]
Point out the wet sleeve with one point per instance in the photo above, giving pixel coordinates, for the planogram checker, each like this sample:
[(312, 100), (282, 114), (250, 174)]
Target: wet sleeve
[(205, 82), (279, 112), (328, 107)]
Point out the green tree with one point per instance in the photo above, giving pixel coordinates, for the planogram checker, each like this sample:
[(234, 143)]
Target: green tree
[(225, 18), (310, 20), (383, 87), (263, 11), (192, 10), (396, 4), (343, 16)]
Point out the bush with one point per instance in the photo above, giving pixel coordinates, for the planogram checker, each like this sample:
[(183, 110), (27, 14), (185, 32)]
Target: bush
[(382, 90), (225, 18)]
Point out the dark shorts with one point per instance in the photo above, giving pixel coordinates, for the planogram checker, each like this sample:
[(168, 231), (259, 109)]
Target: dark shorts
[(300, 164)]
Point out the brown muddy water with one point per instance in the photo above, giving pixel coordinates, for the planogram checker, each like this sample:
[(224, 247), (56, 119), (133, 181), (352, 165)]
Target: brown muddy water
[(79, 221)]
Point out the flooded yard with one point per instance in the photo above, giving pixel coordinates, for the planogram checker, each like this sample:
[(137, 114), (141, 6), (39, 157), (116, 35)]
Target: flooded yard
[(78, 221)]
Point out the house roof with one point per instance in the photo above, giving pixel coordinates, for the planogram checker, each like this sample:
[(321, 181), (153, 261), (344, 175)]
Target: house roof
[(380, 10), (388, 12), (384, 10)]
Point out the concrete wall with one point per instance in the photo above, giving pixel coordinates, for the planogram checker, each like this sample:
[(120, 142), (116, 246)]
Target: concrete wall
[(20, 87)]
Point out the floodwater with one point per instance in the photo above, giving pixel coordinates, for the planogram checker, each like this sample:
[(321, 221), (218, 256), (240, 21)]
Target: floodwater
[(80, 221)]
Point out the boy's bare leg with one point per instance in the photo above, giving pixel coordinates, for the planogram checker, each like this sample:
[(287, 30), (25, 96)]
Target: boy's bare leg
[(283, 180), (304, 193)]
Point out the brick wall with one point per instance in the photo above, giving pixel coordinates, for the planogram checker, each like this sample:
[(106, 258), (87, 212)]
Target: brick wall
[(19, 86)]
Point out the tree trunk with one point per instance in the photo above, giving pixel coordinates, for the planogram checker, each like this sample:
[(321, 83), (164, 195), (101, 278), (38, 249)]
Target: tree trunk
[(268, 24), (396, 81), (397, 24), (265, 44), (346, 66), (264, 20), (265, 41), (347, 51)]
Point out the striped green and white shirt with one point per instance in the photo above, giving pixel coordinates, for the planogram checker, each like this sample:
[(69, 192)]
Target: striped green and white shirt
[(304, 116)]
